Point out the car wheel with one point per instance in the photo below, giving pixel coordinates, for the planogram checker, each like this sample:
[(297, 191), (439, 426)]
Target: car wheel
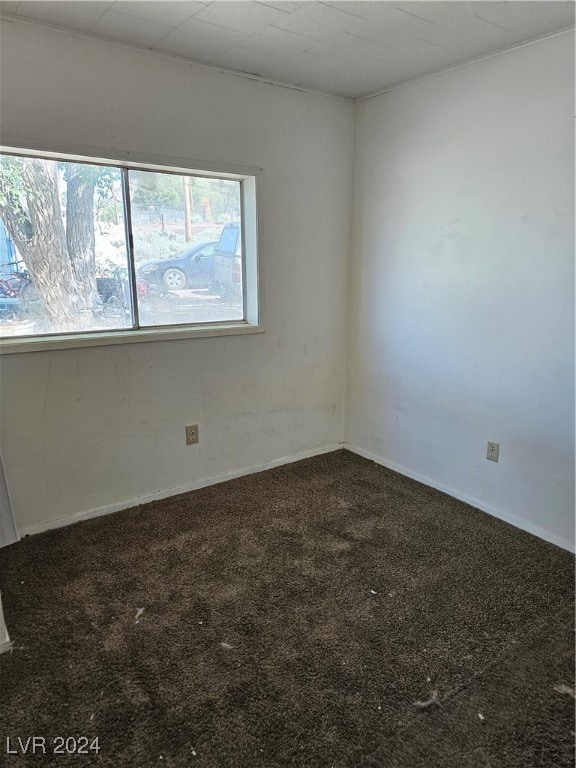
[(174, 279)]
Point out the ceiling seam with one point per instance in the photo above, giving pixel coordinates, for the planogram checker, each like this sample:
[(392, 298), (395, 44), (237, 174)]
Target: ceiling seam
[(444, 70)]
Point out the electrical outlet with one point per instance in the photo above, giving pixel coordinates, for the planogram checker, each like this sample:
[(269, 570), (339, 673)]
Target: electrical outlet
[(493, 451), (192, 434)]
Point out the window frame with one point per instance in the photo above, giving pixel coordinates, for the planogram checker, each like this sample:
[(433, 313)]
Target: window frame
[(249, 178)]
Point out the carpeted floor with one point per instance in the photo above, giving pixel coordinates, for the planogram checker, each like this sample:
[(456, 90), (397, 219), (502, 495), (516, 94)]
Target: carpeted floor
[(292, 618)]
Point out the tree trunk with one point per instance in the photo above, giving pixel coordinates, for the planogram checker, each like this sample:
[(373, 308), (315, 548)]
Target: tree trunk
[(80, 235), (41, 240)]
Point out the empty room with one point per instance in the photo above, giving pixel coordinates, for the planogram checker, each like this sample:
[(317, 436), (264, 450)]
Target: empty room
[(287, 384)]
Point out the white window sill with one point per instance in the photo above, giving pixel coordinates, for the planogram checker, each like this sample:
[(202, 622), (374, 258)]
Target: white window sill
[(107, 338)]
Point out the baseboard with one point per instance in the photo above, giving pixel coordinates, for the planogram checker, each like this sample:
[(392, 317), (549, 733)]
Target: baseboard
[(517, 522), (110, 508)]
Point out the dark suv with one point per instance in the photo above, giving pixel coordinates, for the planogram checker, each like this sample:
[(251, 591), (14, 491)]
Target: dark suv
[(228, 264)]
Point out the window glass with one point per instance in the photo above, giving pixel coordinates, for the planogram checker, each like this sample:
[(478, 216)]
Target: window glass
[(176, 222), (63, 257)]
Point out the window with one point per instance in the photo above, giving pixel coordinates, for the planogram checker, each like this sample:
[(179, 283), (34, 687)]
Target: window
[(102, 252)]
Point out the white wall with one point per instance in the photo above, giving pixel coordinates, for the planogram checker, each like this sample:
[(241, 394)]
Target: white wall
[(98, 428), (462, 308)]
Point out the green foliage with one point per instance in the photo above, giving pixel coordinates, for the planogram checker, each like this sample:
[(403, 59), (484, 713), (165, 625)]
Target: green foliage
[(14, 194), (107, 212), (156, 245), (160, 191), (222, 194), (12, 186), (102, 177), (163, 192)]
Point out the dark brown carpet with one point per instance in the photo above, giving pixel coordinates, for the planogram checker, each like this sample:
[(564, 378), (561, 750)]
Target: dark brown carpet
[(292, 618)]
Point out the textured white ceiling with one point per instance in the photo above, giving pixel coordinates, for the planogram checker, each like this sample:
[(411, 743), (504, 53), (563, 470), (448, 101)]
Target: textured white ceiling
[(351, 48)]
